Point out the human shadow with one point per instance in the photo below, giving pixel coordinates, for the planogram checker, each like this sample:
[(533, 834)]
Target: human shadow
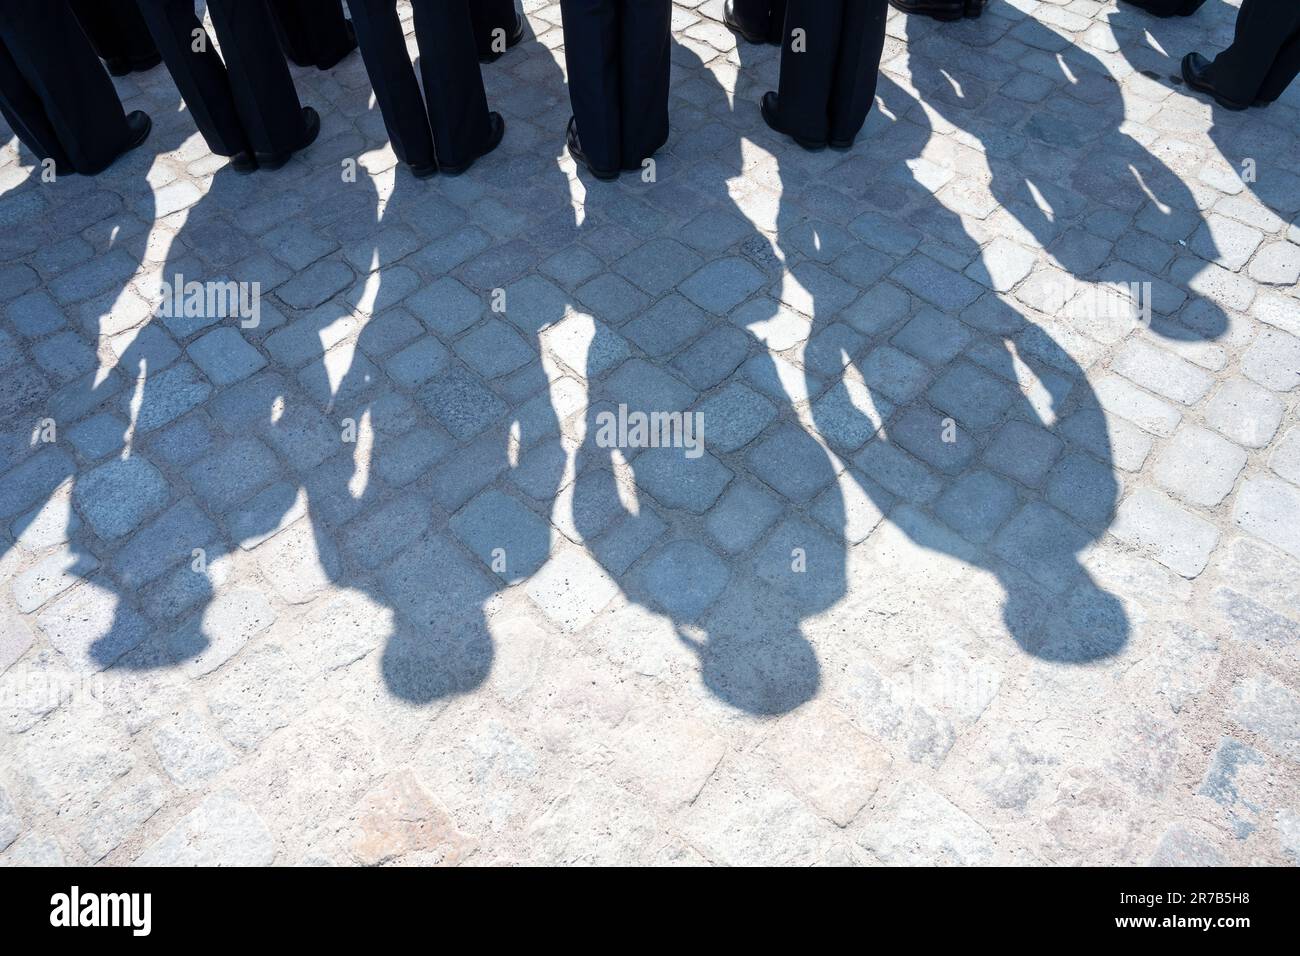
[(753, 518), (109, 381), (1256, 145), (1063, 167), (966, 424)]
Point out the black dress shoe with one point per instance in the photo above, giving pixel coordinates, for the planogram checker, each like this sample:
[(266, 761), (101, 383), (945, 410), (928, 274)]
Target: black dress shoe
[(770, 108), (139, 124), (946, 10), (733, 22), (273, 161), (118, 66), (516, 35), (575, 150), (424, 171), (1194, 74), (974, 8), (496, 131), (243, 162)]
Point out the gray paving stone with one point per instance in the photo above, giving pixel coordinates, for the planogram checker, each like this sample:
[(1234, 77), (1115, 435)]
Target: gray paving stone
[(1175, 537), (1246, 413), (723, 284), (1024, 452), (612, 298), (675, 481), (120, 815), (1262, 705), (377, 536), (970, 395), (713, 357), (233, 472), (936, 283), (316, 285), (1267, 508), (493, 349), (658, 266), (1199, 466), (34, 480), (170, 539), (1228, 775), (976, 505), (803, 563), (666, 326), (1043, 543), (222, 829), (895, 374), (742, 516), (116, 497), (790, 461), (1085, 489), (418, 363), (169, 395), (509, 538), (684, 579), (462, 404), (1146, 411), (1278, 263), (734, 416), (1273, 361), (1181, 847), (898, 471), (189, 752), (1162, 372), (225, 356), (919, 827), (10, 822), (934, 438)]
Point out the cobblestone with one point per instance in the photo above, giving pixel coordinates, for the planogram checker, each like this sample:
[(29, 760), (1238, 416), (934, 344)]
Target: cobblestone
[(947, 492)]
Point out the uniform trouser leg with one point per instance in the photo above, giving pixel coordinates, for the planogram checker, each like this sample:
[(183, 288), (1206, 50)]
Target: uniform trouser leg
[(592, 51), (25, 113), (1264, 28), (312, 32), (862, 42), (646, 30), (265, 97), (490, 16), (808, 76), (79, 106), (453, 82), (776, 21), (754, 15), (199, 73), (383, 47), (115, 29), (1285, 69)]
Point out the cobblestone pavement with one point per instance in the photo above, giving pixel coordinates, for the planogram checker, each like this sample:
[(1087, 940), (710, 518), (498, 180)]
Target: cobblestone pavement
[(977, 566)]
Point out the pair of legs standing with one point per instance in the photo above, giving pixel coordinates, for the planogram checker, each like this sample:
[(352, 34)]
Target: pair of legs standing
[(54, 91), (830, 62)]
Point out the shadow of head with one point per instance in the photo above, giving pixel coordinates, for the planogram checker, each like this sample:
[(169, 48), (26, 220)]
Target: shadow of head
[(766, 671)]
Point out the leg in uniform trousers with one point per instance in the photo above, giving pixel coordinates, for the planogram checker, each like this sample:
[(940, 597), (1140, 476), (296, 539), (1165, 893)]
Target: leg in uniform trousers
[(313, 32), (827, 89), (1169, 8), (55, 93), (455, 128), (619, 60), (1261, 63), (246, 107), (956, 9), (758, 21), (491, 16), (119, 35)]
